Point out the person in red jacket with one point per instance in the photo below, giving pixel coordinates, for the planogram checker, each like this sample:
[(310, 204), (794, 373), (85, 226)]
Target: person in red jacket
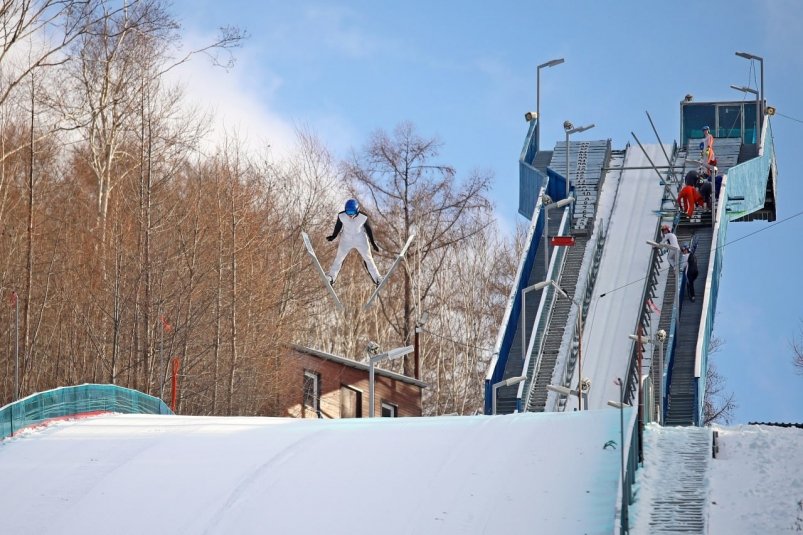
[(689, 198)]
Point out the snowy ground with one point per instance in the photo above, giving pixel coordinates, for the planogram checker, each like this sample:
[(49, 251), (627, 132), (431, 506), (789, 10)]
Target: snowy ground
[(182, 474), (756, 481), (545, 473), (753, 486)]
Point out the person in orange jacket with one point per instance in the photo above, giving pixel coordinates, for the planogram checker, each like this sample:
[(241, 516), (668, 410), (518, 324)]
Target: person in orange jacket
[(688, 198), (707, 148)]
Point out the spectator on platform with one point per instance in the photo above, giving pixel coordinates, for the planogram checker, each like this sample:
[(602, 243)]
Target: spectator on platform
[(707, 155), (688, 198), (705, 188), (668, 237), (689, 266)]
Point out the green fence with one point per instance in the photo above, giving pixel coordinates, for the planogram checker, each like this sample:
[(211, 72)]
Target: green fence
[(73, 400)]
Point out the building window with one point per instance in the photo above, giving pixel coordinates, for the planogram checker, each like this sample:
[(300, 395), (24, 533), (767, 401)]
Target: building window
[(350, 402), (389, 410), (312, 392)]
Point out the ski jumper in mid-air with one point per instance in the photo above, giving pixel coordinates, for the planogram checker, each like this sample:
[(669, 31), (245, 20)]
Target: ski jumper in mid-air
[(355, 233)]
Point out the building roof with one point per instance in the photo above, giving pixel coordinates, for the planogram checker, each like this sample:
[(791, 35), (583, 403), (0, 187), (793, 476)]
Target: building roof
[(358, 365)]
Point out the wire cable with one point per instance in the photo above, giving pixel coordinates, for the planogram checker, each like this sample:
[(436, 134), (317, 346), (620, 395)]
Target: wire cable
[(773, 225), (788, 117)]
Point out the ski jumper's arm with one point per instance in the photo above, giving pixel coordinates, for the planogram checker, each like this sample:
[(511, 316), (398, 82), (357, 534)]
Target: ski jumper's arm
[(370, 235), (335, 232)]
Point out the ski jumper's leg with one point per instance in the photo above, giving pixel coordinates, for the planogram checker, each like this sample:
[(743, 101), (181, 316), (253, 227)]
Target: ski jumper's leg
[(365, 251), (343, 249)]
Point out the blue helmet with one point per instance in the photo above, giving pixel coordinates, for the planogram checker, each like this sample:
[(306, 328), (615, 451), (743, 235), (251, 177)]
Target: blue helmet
[(706, 128), (352, 207)]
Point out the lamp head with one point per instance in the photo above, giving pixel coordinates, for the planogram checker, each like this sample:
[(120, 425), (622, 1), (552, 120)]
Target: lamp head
[(567, 125), (530, 116), (552, 63)]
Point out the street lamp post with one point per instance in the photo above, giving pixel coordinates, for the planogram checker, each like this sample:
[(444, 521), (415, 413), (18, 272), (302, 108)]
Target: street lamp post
[(419, 326), (625, 499), (758, 119), (15, 299), (535, 287), (570, 129), (560, 204), (655, 342), (510, 381), (550, 63), (388, 355), (747, 55), (583, 385)]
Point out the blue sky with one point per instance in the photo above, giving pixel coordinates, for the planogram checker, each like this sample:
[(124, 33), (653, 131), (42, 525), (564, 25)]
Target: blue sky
[(466, 73)]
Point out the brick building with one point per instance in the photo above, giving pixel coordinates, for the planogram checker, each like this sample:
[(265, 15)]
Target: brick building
[(322, 385)]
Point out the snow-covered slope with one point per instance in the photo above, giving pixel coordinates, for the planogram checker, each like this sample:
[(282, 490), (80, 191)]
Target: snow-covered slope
[(181, 474)]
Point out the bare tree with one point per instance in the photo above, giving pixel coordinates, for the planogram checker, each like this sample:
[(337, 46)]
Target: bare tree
[(797, 350), (36, 33), (718, 404), (468, 304), (402, 185)]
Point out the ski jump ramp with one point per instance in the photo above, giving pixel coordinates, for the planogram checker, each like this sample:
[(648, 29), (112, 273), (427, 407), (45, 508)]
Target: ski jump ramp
[(613, 312)]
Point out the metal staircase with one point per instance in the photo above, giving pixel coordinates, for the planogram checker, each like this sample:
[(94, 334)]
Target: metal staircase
[(680, 459), (682, 398), (507, 396), (543, 367)]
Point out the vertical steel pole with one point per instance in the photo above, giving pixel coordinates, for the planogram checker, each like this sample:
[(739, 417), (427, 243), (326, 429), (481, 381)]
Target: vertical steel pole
[(580, 356), (546, 241), (523, 322), (661, 386), (625, 498), (761, 62), (16, 347), (567, 164), (538, 109), (371, 387), (758, 124)]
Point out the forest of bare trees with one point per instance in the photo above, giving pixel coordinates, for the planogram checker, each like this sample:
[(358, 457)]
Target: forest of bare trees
[(124, 246)]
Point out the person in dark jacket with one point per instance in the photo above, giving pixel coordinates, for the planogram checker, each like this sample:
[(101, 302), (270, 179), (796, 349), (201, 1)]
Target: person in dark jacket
[(690, 263), (705, 188)]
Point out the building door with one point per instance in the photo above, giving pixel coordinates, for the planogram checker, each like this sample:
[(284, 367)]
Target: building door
[(350, 402)]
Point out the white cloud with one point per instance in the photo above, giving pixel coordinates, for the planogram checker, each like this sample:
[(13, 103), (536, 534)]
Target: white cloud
[(239, 99), (339, 31)]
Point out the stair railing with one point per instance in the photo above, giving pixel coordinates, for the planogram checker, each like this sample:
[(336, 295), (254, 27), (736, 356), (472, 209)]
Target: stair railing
[(542, 319), (559, 400)]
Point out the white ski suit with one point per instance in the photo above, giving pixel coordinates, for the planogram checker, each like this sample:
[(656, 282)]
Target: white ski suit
[(355, 233), (674, 253)]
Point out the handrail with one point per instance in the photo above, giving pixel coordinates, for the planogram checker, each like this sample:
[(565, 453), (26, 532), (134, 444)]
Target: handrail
[(74, 400), (650, 281), (494, 373), (709, 304), (538, 335), (587, 292), (631, 462)]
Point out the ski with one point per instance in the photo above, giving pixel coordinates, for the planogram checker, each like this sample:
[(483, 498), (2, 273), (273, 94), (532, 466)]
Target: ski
[(320, 271), (393, 267)]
